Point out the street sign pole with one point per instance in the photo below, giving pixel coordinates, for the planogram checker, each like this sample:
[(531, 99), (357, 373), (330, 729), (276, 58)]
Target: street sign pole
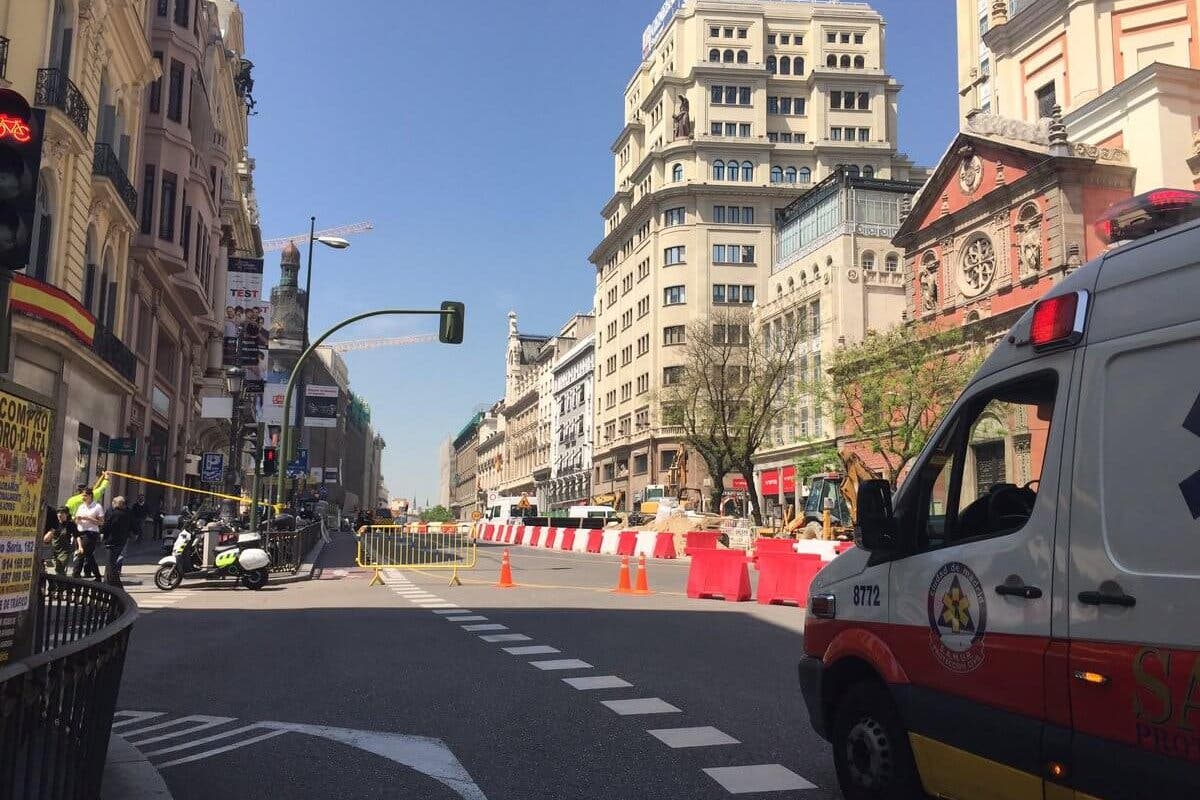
[(262, 432)]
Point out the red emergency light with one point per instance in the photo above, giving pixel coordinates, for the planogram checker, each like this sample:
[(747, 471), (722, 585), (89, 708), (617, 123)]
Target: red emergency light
[(1058, 321), (1148, 213)]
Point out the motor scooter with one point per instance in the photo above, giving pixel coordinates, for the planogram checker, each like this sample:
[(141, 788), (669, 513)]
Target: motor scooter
[(244, 560)]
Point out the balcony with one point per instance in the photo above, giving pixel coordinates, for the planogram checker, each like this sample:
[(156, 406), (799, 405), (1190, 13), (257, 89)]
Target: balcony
[(56, 90), (105, 164), (112, 351)]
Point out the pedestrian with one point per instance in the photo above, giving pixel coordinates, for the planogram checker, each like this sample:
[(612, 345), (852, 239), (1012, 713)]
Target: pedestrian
[(74, 501), (89, 516), (118, 525), (62, 536), (138, 510)]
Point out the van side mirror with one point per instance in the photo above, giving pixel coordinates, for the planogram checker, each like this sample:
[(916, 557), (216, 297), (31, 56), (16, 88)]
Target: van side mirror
[(876, 526)]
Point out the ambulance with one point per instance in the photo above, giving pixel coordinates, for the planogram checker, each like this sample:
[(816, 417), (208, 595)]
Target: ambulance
[(1022, 620)]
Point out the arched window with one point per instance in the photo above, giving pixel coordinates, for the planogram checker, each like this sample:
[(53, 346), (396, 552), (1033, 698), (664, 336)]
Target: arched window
[(785, 66), (831, 61), (892, 262), (791, 284), (867, 261), (714, 55), (776, 174), (43, 230), (743, 57), (728, 57), (844, 63), (805, 175), (798, 65), (718, 170), (868, 171), (859, 62), (803, 277), (747, 171), (852, 170), (789, 175), (771, 66), (677, 173)]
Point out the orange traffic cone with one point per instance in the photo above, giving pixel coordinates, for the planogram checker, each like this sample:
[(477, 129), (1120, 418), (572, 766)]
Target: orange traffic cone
[(623, 586), (506, 579), (643, 585)]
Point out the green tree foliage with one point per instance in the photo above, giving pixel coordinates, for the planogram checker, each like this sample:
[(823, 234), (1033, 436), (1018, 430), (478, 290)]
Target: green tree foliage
[(891, 389), (437, 514)]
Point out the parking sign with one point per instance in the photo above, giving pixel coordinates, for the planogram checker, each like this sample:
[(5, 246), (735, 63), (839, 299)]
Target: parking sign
[(212, 467)]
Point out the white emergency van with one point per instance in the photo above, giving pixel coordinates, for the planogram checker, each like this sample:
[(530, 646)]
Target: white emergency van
[(1023, 619)]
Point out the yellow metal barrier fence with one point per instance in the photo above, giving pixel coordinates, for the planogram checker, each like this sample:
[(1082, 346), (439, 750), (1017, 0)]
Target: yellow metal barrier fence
[(424, 547)]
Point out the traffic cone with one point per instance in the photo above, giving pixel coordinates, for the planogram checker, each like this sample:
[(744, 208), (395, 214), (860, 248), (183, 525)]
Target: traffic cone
[(506, 579), (643, 584), (623, 586)]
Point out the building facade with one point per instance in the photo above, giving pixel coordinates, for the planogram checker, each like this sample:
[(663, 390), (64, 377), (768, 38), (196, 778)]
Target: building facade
[(464, 482), (836, 275), (572, 379), (1124, 73), (490, 453), (734, 109)]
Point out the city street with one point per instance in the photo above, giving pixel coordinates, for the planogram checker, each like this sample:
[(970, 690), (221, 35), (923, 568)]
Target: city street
[(555, 689)]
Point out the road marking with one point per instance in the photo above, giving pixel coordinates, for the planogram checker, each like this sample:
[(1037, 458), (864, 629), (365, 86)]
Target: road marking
[(705, 736), (225, 749), (205, 723), (597, 682), (437, 605), (455, 611), (135, 716), (134, 734), (532, 650), (506, 637), (757, 778), (491, 626), (198, 742), (561, 663), (641, 705), (468, 618)]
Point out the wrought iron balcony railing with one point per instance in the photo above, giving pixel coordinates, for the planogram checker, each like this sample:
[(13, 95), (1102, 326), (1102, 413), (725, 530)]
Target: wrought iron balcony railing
[(112, 351), (106, 164), (3, 56), (56, 90)]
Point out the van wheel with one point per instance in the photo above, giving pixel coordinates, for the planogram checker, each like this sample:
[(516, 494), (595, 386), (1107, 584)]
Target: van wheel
[(870, 747)]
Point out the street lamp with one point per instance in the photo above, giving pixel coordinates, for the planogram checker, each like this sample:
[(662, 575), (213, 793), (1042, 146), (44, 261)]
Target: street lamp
[(235, 380), (334, 242)]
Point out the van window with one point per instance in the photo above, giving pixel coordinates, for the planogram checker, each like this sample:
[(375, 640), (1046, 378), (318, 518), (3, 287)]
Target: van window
[(982, 478)]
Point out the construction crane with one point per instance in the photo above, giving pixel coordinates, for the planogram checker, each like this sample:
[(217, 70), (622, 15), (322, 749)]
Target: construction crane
[(371, 344), (271, 245)]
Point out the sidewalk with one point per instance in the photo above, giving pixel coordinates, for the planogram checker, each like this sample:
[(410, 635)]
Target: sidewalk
[(129, 775)]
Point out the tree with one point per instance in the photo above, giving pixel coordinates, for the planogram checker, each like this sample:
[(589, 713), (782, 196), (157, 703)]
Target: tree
[(729, 392), (437, 514), (891, 389)]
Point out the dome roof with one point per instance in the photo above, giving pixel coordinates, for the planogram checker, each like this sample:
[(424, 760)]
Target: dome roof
[(290, 255)]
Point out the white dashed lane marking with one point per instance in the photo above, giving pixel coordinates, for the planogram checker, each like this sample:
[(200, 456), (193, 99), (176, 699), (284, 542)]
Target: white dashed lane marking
[(641, 705), (491, 626), (468, 618), (597, 682), (705, 736), (531, 650), (561, 663), (505, 637), (757, 778)]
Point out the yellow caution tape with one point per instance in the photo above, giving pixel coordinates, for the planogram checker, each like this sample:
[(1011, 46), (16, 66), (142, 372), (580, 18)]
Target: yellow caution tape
[(143, 479)]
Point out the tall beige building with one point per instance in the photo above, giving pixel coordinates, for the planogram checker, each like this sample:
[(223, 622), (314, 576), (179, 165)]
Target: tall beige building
[(1124, 72), (735, 109)]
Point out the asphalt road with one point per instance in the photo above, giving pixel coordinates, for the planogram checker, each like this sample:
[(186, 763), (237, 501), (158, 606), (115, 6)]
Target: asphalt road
[(333, 688)]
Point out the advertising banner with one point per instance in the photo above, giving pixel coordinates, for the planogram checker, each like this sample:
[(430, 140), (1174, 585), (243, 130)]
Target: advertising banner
[(247, 321), (271, 412), (24, 446), (320, 406)]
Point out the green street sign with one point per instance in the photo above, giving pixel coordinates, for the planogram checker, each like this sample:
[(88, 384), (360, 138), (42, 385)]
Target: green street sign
[(123, 447)]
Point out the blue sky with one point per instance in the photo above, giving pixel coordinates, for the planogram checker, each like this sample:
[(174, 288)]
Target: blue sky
[(475, 136)]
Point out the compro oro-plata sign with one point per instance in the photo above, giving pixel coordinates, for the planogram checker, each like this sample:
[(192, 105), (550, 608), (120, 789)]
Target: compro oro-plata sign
[(320, 406), (24, 446)]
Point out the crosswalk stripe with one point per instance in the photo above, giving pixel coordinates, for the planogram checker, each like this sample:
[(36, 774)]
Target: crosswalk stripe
[(197, 742), (205, 724), (225, 749)]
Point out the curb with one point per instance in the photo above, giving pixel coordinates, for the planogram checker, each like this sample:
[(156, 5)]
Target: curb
[(307, 568), (129, 775)]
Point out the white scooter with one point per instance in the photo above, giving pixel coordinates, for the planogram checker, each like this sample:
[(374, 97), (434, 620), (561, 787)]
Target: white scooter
[(246, 562)]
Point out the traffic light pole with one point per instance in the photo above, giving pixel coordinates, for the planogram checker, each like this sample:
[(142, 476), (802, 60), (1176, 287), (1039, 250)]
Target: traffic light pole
[(262, 432), (285, 442)]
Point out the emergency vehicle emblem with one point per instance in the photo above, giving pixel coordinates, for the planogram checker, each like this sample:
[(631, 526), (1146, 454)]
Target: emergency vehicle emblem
[(957, 609)]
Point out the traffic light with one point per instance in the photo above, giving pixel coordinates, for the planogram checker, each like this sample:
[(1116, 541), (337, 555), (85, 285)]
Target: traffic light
[(20, 160), (270, 461), (450, 331)]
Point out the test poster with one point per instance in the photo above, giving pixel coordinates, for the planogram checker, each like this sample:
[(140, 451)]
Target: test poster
[(25, 430)]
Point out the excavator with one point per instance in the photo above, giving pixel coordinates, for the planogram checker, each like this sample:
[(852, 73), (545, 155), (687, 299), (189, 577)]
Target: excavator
[(839, 487)]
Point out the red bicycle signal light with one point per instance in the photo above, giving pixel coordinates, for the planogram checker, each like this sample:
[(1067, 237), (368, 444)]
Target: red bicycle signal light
[(20, 161)]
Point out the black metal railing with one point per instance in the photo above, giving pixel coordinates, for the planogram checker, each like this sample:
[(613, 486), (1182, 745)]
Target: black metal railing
[(56, 707), (112, 351), (56, 90), (3, 56), (288, 548), (106, 164)]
